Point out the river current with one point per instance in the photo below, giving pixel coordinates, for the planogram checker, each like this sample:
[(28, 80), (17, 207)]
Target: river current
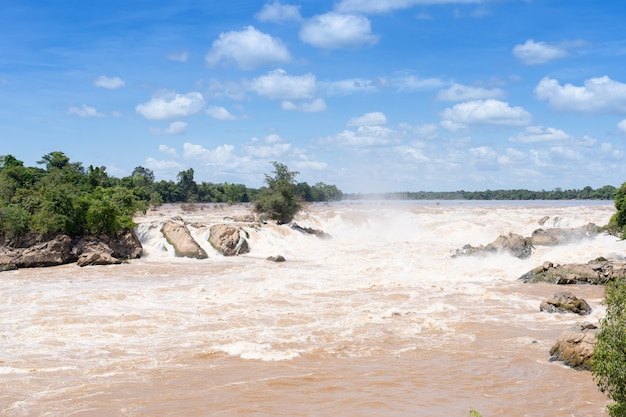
[(378, 320)]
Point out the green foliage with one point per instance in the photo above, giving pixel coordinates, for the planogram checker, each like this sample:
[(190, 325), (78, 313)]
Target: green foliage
[(279, 200), (14, 220), (609, 360), (474, 413)]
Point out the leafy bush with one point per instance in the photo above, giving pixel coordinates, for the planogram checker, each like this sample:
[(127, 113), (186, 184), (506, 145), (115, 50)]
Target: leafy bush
[(609, 360)]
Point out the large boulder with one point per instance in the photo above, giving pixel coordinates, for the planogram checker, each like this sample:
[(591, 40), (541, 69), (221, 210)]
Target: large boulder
[(598, 272), (180, 238), (512, 243), (565, 302), (56, 250), (228, 240), (575, 347)]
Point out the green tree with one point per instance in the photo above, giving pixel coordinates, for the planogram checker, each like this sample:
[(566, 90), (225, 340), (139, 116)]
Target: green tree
[(279, 200), (609, 360)]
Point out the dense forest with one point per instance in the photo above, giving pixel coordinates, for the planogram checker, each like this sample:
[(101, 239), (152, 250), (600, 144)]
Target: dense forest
[(64, 197)]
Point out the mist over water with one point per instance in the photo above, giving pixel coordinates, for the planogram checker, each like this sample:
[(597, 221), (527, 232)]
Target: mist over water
[(378, 320)]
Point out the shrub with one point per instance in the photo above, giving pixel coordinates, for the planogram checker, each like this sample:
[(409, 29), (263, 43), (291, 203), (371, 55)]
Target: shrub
[(609, 361)]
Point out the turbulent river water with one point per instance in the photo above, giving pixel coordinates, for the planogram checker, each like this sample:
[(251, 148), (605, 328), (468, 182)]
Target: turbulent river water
[(378, 320)]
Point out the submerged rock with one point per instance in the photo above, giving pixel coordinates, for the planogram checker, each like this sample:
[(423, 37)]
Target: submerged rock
[(277, 258), (311, 231), (559, 236), (512, 243), (575, 347), (565, 302)]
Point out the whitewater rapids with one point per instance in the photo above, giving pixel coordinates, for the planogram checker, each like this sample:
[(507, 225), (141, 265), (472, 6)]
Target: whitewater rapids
[(378, 320)]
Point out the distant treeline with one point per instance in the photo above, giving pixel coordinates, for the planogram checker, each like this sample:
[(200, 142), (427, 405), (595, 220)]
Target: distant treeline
[(604, 193)]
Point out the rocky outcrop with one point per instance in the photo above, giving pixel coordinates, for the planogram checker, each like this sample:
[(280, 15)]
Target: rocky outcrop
[(514, 244), (228, 240), (35, 250), (597, 271), (522, 247), (311, 231), (558, 236), (178, 235), (565, 302), (575, 346)]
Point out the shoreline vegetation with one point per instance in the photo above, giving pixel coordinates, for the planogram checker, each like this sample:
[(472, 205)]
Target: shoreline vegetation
[(65, 197)]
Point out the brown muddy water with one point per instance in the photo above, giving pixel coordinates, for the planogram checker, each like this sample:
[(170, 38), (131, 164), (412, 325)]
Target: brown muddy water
[(379, 320)]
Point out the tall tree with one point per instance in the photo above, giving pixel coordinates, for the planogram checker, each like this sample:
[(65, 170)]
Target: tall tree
[(279, 200)]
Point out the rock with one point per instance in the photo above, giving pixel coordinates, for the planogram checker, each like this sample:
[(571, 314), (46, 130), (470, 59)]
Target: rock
[(543, 220), (277, 258), (97, 258), (55, 251), (565, 302), (36, 250), (558, 236), (512, 243), (596, 272), (228, 240), (309, 230), (575, 346), (184, 244)]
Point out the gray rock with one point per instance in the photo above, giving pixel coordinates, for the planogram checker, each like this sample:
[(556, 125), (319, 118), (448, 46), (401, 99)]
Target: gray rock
[(512, 243), (565, 302), (596, 272)]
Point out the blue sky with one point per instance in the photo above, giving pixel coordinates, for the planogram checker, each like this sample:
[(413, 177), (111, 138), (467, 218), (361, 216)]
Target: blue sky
[(369, 95)]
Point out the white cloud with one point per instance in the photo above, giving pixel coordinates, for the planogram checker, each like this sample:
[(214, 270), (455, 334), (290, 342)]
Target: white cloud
[(597, 94), (222, 157), (272, 147), (566, 152), (378, 6), (367, 136), (180, 56), (171, 105), (335, 31), (167, 150), (278, 85), (413, 83), (315, 106), (248, 49), (534, 134), (622, 125), (426, 131), (110, 83), (369, 119), (413, 153), (163, 166), (278, 13), (175, 128), (534, 53), (493, 112), (84, 111), (460, 92), (220, 113), (484, 152)]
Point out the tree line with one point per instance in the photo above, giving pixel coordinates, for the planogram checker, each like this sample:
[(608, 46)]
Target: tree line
[(606, 192), (62, 196)]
